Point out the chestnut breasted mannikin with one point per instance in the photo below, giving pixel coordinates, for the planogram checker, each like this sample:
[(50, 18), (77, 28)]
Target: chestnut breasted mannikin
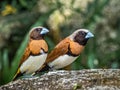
[(67, 50), (35, 53)]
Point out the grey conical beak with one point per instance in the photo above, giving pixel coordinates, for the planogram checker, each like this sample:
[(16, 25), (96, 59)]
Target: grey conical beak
[(89, 35), (44, 31)]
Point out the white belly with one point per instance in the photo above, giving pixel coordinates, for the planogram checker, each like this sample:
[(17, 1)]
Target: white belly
[(62, 61), (33, 63)]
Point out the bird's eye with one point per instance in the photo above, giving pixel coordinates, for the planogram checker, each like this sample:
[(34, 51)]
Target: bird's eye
[(38, 29), (82, 33)]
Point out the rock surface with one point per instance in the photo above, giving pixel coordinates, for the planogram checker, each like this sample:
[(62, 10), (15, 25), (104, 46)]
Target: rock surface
[(94, 79)]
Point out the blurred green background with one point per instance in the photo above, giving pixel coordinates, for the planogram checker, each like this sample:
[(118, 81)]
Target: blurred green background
[(61, 17)]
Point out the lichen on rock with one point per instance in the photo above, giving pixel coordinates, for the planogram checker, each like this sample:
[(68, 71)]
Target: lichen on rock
[(100, 79)]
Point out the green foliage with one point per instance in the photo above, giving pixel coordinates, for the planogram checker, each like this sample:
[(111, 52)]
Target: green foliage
[(18, 55), (5, 66)]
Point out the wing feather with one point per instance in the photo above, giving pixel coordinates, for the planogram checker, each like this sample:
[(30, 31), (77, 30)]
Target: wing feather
[(60, 49)]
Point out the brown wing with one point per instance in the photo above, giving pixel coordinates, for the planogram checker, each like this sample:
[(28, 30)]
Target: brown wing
[(25, 55), (59, 50)]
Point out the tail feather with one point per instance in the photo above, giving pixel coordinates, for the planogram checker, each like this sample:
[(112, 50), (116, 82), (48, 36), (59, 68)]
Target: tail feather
[(44, 68), (17, 75)]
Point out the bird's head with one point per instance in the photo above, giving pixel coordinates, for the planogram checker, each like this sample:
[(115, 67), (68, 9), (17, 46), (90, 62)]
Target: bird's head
[(81, 36), (37, 33)]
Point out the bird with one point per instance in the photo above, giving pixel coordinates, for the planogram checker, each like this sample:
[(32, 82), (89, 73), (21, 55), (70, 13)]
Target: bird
[(35, 53), (67, 50)]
